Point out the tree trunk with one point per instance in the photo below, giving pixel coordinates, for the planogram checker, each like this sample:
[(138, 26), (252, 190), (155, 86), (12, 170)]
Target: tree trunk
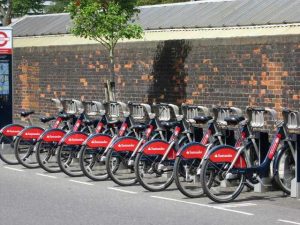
[(111, 85), (6, 16)]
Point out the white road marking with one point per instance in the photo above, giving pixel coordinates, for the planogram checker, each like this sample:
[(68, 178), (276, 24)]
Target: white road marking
[(45, 175), (203, 205), (287, 221), (15, 169), (80, 182), (236, 205), (117, 189)]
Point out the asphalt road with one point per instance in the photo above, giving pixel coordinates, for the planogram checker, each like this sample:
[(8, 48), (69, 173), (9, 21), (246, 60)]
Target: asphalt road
[(34, 197)]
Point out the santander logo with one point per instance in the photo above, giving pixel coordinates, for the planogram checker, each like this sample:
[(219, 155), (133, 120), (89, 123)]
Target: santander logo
[(32, 134), (125, 145), (193, 152), (156, 149), (99, 142), (53, 136), (13, 131), (223, 156), (76, 139)]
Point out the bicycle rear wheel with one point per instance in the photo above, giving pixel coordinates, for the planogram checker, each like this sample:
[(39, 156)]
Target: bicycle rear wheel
[(25, 152), (285, 170), (118, 168), (91, 164), (152, 175), (7, 153), (225, 185), (47, 157), (68, 160)]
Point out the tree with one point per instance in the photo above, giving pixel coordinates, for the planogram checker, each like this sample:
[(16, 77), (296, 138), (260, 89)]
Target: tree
[(105, 21), (13, 8), (58, 6)]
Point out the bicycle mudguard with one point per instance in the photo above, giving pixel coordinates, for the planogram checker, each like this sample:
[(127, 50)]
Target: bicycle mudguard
[(226, 153), (125, 144), (193, 150), (30, 133), (98, 141), (52, 135), (158, 147), (74, 138), (11, 130)]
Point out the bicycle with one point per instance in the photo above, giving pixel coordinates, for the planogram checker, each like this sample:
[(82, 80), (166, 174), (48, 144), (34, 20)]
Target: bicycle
[(188, 161), (125, 149), (155, 159), (231, 166), (94, 151), (48, 142), (25, 141)]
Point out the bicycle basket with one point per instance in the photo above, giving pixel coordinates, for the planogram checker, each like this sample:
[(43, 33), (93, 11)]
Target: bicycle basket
[(220, 113), (292, 120), (58, 104), (166, 112), (74, 106), (93, 108), (116, 110), (260, 118), (139, 112), (192, 111)]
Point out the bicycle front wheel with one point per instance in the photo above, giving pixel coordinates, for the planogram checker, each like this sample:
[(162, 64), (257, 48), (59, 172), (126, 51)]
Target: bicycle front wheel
[(118, 168), (68, 160), (47, 157), (153, 174), (225, 185), (187, 178), (25, 152), (91, 164), (285, 170), (7, 150)]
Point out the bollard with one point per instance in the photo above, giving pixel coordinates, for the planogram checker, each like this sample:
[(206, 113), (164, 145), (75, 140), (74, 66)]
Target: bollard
[(264, 145), (295, 185)]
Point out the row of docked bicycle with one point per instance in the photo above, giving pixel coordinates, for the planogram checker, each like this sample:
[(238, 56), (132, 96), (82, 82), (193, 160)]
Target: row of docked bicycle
[(215, 152)]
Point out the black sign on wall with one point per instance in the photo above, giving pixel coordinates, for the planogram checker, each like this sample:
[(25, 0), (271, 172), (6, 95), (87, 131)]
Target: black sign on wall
[(5, 76)]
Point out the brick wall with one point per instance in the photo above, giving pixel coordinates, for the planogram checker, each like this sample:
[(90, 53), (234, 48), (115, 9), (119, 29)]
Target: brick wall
[(261, 71)]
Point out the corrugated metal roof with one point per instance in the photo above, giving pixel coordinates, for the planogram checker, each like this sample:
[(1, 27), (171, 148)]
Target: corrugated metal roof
[(217, 13)]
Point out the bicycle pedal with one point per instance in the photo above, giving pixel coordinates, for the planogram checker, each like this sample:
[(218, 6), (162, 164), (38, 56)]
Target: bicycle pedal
[(198, 171), (160, 167)]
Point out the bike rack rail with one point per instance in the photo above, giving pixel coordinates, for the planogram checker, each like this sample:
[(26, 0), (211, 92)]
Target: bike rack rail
[(292, 121)]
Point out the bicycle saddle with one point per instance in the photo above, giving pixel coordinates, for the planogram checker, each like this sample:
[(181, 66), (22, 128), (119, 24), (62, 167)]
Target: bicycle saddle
[(170, 124), (202, 119), (47, 119), (26, 113), (234, 120)]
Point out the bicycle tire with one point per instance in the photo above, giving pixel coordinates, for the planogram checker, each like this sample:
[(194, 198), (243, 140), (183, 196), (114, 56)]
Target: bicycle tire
[(47, 157), (67, 156), (141, 165), (116, 161), (88, 158), (7, 153), (212, 189), (284, 168), (29, 159)]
